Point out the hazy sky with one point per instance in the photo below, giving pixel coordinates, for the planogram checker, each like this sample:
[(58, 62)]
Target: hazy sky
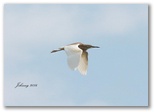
[(117, 72)]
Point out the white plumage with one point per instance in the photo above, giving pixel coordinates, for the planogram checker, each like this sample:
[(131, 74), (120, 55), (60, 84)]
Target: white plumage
[(77, 57), (73, 55)]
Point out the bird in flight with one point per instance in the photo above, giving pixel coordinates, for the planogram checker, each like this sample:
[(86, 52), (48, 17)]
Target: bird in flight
[(77, 56)]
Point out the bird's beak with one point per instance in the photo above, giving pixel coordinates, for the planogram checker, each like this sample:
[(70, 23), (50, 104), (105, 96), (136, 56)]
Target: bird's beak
[(95, 47)]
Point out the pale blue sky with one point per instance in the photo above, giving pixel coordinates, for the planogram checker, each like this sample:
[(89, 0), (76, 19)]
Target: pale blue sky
[(118, 70)]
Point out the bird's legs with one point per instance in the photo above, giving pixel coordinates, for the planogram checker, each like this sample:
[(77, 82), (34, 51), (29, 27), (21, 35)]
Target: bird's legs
[(57, 50)]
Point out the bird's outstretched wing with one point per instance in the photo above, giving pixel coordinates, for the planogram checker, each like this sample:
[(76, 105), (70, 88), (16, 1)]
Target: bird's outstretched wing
[(83, 65), (74, 54)]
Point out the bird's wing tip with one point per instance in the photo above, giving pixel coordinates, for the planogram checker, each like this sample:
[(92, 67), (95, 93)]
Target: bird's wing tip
[(84, 73)]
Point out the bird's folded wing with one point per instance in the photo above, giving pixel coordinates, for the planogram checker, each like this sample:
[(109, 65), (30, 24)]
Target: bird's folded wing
[(74, 53), (83, 65)]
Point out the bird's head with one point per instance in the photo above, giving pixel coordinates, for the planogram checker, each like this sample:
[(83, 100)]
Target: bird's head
[(87, 46), (90, 46)]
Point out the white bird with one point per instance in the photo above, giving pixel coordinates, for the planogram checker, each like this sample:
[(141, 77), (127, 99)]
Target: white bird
[(77, 56)]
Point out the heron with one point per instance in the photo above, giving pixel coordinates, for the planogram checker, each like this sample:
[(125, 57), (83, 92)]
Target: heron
[(77, 56)]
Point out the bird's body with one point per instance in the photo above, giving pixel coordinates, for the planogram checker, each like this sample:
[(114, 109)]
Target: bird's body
[(77, 56)]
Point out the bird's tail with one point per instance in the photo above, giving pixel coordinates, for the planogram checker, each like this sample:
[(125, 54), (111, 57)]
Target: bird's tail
[(57, 50)]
